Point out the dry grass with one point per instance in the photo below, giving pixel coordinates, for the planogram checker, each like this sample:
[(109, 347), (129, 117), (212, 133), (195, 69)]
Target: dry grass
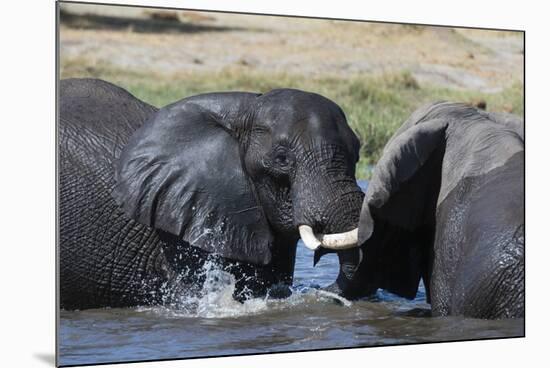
[(375, 106), (378, 73)]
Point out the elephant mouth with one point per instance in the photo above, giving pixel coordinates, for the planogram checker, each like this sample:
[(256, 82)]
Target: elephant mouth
[(338, 241)]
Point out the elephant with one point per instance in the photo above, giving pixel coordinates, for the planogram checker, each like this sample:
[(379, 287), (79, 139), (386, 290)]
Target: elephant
[(149, 196), (445, 205)]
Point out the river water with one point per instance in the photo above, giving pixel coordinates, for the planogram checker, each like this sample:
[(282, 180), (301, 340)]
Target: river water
[(217, 325)]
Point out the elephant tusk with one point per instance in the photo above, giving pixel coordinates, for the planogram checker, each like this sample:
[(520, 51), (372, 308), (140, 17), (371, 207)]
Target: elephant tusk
[(309, 239), (340, 241), (330, 241)]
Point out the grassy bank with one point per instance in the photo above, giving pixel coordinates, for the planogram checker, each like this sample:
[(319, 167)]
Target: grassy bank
[(374, 105)]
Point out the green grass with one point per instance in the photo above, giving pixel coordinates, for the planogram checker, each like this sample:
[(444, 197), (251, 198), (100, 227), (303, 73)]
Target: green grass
[(375, 106)]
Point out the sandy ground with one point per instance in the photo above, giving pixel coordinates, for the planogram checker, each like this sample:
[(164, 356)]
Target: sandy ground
[(481, 60)]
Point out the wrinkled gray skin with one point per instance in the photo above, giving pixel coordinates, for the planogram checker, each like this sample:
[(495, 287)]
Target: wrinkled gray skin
[(445, 205), (232, 174)]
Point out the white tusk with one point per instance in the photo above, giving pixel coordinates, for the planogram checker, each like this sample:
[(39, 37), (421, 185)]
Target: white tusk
[(330, 241), (340, 241), (309, 239)]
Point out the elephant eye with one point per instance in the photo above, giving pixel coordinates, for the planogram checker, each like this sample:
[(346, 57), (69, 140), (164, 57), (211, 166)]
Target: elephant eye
[(281, 159)]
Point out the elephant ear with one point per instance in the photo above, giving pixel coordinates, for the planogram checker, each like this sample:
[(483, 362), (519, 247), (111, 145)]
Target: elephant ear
[(399, 205), (182, 173), (404, 177)]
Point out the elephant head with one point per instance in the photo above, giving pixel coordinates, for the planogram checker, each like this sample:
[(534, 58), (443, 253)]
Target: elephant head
[(445, 204), (233, 173)]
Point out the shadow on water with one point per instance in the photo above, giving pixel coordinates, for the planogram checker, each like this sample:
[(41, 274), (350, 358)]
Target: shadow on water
[(168, 25), (415, 312)]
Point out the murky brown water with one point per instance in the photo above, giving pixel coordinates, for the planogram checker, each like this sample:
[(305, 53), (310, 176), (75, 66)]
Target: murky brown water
[(218, 325)]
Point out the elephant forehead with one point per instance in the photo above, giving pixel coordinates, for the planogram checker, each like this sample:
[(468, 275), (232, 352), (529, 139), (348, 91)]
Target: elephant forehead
[(308, 120), (312, 131), (309, 123), (304, 118), (293, 103)]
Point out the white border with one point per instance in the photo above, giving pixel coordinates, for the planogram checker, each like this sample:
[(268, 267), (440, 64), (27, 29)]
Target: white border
[(27, 181)]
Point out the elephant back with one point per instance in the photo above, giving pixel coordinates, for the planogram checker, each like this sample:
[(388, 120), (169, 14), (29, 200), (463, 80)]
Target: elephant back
[(96, 118)]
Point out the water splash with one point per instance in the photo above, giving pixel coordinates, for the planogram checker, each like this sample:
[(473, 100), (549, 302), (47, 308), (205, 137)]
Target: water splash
[(337, 297), (214, 299)]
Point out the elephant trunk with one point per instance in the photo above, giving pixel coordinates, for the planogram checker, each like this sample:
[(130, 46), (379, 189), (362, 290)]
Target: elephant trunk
[(327, 209), (351, 282)]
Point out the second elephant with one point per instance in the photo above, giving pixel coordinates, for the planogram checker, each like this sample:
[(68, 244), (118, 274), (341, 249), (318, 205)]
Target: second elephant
[(445, 205)]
